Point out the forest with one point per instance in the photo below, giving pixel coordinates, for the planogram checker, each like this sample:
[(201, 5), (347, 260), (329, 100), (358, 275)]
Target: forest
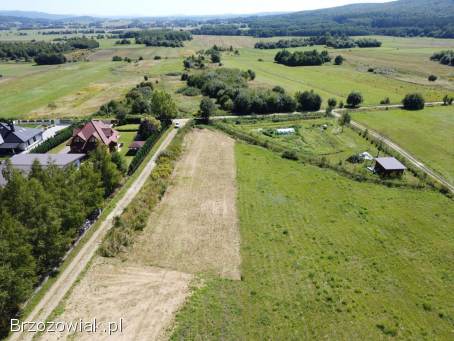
[(398, 18), (43, 52), (41, 216)]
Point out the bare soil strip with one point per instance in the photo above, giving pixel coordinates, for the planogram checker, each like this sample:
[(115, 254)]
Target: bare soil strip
[(194, 229)]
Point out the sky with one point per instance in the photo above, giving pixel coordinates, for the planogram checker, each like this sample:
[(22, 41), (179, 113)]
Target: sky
[(169, 7)]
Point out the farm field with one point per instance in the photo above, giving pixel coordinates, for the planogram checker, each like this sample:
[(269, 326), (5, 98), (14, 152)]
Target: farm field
[(325, 257), (193, 229), (427, 134)]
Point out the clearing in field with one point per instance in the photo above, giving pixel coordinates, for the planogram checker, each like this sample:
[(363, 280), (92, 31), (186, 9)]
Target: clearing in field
[(328, 258), (427, 134), (194, 230)]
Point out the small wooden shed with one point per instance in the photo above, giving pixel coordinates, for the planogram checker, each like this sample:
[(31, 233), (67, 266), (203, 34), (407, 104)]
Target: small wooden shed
[(389, 167)]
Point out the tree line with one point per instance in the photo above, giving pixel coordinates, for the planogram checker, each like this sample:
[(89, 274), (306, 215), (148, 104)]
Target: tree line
[(41, 215), (44, 52), (302, 58), (337, 42), (165, 38)]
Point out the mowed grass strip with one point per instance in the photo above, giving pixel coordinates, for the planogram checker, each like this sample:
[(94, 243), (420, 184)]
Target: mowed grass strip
[(427, 134), (324, 257)]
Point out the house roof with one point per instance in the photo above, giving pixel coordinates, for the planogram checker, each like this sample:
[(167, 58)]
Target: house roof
[(98, 129), (136, 145), (60, 160), (390, 163), (19, 134), (24, 162)]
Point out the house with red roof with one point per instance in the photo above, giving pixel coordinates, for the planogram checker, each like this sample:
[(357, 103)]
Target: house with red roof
[(86, 139)]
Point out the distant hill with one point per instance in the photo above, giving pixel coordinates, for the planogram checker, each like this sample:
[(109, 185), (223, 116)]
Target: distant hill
[(401, 18), (33, 15)]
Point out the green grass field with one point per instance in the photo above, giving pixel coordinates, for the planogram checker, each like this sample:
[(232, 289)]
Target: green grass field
[(338, 81), (78, 89), (325, 257), (427, 134)]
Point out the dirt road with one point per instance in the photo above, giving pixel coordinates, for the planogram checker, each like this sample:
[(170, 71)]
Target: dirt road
[(67, 278)]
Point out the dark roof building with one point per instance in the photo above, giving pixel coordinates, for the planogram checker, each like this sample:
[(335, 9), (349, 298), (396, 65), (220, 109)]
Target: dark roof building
[(86, 138), (24, 162), (136, 145), (16, 139), (389, 166)]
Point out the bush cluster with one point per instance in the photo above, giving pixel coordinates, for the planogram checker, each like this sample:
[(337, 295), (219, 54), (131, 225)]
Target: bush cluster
[(302, 58)]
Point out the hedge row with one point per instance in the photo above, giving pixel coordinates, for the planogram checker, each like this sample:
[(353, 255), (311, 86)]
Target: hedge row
[(143, 152), (53, 142)]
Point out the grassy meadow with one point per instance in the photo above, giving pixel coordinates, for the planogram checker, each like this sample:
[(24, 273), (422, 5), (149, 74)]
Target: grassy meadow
[(401, 66), (325, 257), (78, 89), (427, 134)]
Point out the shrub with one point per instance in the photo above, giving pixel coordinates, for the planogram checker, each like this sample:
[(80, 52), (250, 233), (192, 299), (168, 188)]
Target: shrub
[(339, 60), (332, 103), (432, 78), (385, 101), (117, 59), (413, 101), (157, 57), (447, 100), (354, 99), (50, 59), (290, 155), (309, 101), (190, 91)]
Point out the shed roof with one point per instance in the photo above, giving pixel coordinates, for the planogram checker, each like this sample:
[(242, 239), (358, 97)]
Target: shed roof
[(136, 145), (390, 163)]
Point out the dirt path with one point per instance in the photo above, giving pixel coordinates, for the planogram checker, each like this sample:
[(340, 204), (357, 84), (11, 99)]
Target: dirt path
[(67, 278), (193, 229)]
